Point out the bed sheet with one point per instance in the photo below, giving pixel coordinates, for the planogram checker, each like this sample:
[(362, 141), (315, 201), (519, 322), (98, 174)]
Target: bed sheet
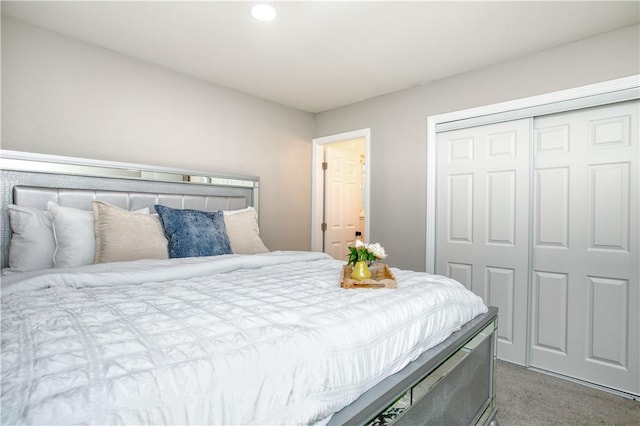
[(261, 339)]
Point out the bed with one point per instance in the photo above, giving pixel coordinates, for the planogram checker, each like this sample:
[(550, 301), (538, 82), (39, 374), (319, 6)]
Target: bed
[(247, 336)]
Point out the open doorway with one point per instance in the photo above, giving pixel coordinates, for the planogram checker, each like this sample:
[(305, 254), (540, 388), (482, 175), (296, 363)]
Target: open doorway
[(340, 191)]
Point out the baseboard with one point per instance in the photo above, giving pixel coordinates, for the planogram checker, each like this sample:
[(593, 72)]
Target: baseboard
[(585, 383)]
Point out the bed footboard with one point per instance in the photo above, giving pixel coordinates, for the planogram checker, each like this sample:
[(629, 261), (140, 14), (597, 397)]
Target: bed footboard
[(453, 383)]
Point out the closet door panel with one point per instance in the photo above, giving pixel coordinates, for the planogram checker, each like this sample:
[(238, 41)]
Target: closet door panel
[(461, 273), (608, 327), (501, 288), (552, 207), (550, 311), (482, 221), (586, 191), (461, 209), (608, 206), (501, 205)]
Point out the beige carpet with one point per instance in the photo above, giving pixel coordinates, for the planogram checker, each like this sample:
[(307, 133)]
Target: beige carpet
[(526, 397)]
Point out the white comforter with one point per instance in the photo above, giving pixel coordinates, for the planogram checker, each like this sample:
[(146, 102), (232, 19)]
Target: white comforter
[(262, 339)]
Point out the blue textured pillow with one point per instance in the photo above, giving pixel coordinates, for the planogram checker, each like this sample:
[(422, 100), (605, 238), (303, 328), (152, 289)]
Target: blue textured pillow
[(193, 232)]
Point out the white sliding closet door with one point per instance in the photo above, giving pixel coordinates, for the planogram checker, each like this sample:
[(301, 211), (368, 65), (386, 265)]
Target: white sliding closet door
[(585, 279), (483, 221)]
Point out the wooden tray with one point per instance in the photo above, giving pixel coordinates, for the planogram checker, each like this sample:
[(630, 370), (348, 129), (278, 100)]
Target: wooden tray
[(381, 277)]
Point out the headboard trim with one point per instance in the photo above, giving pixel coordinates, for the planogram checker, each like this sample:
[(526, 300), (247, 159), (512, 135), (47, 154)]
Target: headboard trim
[(44, 163)]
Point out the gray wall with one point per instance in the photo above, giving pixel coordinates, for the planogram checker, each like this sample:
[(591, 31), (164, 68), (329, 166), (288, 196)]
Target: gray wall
[(398, 125), (65, 97)]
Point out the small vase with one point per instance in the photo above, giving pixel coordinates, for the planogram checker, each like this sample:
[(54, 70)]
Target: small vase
[(361, 271)]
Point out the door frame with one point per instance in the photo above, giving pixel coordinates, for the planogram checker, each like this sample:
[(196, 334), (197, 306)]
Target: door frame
[(317, 181), (564, 100)]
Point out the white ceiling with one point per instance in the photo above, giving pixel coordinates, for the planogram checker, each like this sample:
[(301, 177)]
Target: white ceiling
[(320, 55)]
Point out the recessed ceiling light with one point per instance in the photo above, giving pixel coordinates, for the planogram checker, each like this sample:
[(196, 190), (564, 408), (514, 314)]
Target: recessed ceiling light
[(264, 12)]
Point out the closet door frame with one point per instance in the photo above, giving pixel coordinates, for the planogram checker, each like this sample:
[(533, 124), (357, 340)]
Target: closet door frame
[(612, 91)]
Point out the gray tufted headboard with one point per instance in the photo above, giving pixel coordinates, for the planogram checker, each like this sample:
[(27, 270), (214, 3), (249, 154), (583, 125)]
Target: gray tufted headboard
[(32, 180)]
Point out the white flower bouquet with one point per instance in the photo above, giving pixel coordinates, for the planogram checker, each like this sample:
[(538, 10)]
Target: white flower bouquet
[(365, 252)]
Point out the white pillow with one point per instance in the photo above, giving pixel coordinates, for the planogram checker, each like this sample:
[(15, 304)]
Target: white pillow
[(32, 244), (73, 233), (243, 232)]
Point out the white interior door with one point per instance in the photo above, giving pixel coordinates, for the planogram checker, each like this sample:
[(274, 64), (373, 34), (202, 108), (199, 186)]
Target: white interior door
[(482, 221), (343, 198), (586, 298)]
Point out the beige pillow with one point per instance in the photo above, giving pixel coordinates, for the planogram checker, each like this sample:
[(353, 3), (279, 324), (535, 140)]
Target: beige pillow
[(243, 232), (122, 235)]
